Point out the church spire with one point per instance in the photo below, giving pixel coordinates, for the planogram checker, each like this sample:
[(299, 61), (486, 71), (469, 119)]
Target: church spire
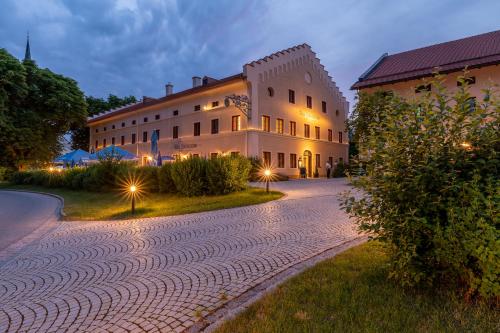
[(27, 53)]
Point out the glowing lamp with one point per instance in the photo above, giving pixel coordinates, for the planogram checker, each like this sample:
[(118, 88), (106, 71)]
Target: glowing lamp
[(267, 173)]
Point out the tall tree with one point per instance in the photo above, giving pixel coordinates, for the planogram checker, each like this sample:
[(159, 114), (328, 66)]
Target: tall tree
[(80, 132), (37, 107)]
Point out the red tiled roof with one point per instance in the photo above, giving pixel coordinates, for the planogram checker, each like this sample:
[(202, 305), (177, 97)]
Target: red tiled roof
[(154, 101), (471, 52)]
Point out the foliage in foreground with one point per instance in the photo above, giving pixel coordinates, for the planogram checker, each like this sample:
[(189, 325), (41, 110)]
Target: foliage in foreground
[(432, 191), (350, 293), (191, 177)]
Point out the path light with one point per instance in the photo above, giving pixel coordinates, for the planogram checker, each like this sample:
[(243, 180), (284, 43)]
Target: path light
[(267, 175), (133, 190)]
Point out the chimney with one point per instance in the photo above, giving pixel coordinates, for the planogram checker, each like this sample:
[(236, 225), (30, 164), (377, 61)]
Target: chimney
[(196, 81), (169, 89)]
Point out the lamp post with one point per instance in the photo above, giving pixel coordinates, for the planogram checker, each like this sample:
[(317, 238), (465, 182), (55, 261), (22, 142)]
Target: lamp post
[(267, 175), (133, 189)]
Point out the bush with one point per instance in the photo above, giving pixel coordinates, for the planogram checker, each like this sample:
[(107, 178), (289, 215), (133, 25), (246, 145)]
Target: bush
[(165, 182), (189, 176), (148, 175), (227, 174), (255, 170), (339, 170), (432, 189)]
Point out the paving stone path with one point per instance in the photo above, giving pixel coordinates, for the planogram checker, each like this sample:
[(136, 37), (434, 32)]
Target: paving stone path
[(164, 274)]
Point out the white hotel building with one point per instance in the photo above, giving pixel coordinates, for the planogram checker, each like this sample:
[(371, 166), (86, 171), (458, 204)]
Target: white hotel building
[(284, 108)]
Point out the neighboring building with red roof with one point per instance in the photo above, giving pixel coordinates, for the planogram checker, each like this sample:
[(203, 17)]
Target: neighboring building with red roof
[(407, 73), (284, 108)]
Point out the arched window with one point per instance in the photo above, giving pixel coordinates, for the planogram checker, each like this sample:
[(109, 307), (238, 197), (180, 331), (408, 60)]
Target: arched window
[(270, 91)]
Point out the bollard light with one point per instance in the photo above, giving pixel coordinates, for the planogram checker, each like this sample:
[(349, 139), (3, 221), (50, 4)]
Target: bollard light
[(267, 176), (133, 190)]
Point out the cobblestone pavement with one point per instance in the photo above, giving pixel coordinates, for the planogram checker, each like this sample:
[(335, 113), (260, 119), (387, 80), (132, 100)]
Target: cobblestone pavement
[(163, 274)]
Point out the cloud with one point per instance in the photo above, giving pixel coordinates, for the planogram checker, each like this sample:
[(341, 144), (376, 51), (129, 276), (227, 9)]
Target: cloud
[(135, 47)]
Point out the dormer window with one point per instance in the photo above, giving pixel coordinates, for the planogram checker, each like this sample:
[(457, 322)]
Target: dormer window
[(423, 88)]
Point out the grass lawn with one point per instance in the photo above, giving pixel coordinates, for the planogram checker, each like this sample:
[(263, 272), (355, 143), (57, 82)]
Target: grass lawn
[(351, 293), (82, 205)]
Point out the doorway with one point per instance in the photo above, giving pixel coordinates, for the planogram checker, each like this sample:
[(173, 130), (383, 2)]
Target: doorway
[(307, 157)]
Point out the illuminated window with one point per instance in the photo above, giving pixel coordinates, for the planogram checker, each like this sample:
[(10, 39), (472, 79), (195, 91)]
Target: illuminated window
[(293, 160), (266, 123), (317, 132), (291, 96), (235, 123), (197, 129), (113, 140), (307, 131), (133, 138), (266, 158), (330, 135), (340, 137), (122, 140), (281, 160), (175, 132), (144, 136), (215, 126), (309, 102), (323, 106), (293, 128), (279, 126)]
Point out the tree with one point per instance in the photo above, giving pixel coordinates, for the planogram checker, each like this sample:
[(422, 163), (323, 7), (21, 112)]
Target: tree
[(37, 108), (80, 135), (432, 190)]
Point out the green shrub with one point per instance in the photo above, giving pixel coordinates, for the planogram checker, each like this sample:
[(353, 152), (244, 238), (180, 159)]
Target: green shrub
[(255, 170), (189, 176), (74, 178), (165, 182), (148, 176), (432, 188), (339, 170), (227, 174)]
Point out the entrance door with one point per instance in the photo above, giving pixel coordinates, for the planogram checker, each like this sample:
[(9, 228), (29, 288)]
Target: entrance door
[(307, 157)]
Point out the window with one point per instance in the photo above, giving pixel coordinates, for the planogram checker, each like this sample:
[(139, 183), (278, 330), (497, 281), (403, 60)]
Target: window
[(215, 126), (197, 129), (134, 122), (96, 144), (293, 160), (104, 143), (337, 112), (279, 126), (113, 140), (197, 107), (293, 128), (330, 135), (214, 155), (175, 132), (318, 161), (157, 134), (123, 124), (144, 136), (270, 91), (175, 112), (104, 129), (340, 137), (469, 80), (113, 127), (97, 130), (133, 138), (122, 141), (307, 129), (215, 104), (266, 158), (235, 153), (145, 119), (281, 160), (196, 155), (330, 161), (157, 117), (309, 102), (235, 123), (266, 123), (291, 96), (323, 106), (422, 88), (317, 132)]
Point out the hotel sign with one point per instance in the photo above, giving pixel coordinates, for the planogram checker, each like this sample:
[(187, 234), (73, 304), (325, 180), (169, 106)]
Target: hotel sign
[(185, 145)]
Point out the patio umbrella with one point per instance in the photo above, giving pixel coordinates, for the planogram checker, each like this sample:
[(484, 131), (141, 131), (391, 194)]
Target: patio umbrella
[(154, 143)]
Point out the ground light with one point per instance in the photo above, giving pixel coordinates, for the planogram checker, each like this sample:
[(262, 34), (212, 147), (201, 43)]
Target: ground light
[(267, 175), (133, 190)]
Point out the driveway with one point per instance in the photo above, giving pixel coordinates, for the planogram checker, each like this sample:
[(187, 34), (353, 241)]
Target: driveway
[(163, 274), (21, 213)]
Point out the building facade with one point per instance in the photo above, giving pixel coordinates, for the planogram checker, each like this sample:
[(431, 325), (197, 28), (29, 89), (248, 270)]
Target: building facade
[(408, 73), (283, 108)]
